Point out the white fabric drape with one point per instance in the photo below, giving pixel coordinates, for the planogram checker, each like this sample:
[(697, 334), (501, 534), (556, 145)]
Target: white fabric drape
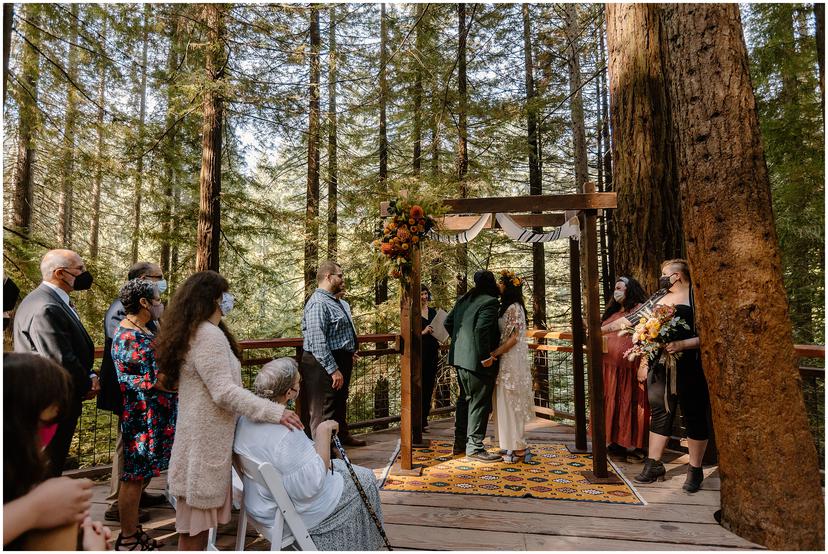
[(463, 236), (570, 229)]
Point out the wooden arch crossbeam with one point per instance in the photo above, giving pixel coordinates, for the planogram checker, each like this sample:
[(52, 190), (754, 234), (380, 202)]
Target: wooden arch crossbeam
[(537, 211)]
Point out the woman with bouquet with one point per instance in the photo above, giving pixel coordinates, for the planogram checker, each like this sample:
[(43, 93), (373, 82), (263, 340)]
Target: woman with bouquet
[(675, 375), (626, 409)]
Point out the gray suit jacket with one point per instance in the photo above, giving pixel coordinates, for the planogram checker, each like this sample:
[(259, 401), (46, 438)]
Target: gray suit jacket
[(45, 325)]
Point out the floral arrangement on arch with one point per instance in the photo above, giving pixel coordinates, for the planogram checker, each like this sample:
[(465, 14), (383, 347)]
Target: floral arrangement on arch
[(507, 275), (404, 231), (652, 333)]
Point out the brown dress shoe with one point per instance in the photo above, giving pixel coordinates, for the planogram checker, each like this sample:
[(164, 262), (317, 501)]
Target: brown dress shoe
[(351, 441)]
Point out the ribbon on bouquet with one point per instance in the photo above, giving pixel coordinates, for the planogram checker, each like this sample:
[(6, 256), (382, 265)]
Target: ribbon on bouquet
[(463, 236), (570, 229)]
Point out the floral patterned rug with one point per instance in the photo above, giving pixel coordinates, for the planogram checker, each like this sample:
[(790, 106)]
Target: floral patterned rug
[(552, 473)]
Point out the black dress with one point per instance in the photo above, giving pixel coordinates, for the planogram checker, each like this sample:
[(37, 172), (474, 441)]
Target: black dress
[(430, 352), (691, 387)]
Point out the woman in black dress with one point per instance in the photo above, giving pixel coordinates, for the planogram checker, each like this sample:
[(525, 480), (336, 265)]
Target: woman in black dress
[(686, 386), (430, 352)]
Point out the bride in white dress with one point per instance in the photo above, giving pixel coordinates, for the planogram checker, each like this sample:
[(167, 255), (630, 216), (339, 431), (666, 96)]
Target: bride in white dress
[(513, 398)]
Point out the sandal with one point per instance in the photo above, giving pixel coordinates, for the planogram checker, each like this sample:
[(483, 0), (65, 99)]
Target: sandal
[(137, 541), (509, 456)]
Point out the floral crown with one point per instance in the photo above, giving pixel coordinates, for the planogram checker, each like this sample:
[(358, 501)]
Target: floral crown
[(509, 276)]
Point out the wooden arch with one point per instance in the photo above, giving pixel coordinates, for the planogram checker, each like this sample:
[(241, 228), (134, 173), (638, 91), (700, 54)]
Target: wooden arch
[(536, 211)]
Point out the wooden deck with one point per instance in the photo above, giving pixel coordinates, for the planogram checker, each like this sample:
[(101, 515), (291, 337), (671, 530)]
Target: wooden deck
[(671, 520)]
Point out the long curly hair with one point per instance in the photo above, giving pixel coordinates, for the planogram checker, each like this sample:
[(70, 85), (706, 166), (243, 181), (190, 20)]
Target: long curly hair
[(512, 293), (31, 384), (634, 296), (194, 302)]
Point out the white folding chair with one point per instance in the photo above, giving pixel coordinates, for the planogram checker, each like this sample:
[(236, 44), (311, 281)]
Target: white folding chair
[(269, 477)]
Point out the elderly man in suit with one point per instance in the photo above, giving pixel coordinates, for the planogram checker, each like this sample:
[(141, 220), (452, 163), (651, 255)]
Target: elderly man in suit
[(474, 335), (46, 323)]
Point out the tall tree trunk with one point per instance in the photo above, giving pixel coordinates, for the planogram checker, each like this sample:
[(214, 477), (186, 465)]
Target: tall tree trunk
[(746, 341), (27, 102), (819, 13), (332, 146), (312, 207), (606, 277), (607, 154), (94, 233), (381, 285), (418, 92), (170, 153), (647, 220), (8, 16), (541, 376), (462, 164), (209, 212), (142, 115), (67, 176), (434, 124)]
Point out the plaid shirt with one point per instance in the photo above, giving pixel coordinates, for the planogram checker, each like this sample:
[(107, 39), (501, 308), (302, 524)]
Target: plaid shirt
[(325, 327)]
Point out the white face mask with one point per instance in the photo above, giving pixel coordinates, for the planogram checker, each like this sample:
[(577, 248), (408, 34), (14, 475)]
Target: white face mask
[(162, 286), (618, 295), (226, 303)]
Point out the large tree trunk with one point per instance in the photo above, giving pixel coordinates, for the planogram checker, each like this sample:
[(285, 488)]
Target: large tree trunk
[(27, 102), (462, 163), (169, 153), (142, 116), (97, 184), (771, 492), (332, 146), (606, 272), (647, 222), (312, 194), (418, 92), (540, 375), (819, 13), (381, 285), (65, 202), (607, 155), (209, 213)]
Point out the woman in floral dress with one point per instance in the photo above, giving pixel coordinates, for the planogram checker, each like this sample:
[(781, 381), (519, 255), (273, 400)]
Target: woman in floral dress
[(149, 413), (513, 397)]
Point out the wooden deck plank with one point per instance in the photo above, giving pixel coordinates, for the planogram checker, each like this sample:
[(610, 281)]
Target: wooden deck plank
[(440, 538)]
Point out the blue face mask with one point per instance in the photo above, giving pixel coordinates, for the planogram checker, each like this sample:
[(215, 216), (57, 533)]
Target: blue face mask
[(226, 303), (162, 286)]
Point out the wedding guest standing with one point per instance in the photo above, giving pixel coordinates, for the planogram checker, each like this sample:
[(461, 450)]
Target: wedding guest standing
[(197, 352), (626, 408), (430, 352)]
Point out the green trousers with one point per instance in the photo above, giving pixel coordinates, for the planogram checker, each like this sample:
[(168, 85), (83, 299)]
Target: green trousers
[(474, 405)]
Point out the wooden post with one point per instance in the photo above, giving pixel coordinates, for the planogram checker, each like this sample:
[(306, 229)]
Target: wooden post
[(577, 348), (589, 236), (411, 432)]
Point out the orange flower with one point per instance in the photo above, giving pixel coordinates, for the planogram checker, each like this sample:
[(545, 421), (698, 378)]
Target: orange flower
[(411, 221), (405, 246), (387, 248), (417, 212), (415, 239), (403, 234)]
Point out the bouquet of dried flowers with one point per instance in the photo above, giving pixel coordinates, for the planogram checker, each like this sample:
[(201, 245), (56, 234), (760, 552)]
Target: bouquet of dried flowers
[(402, 233)]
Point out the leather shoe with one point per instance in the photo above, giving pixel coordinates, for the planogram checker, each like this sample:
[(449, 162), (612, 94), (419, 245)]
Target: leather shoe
[(485, 456), (149, 500), (112, 514), (351, 441)]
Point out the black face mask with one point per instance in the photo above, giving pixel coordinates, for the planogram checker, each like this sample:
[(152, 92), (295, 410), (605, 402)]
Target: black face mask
[(664, 281), (83, 281)]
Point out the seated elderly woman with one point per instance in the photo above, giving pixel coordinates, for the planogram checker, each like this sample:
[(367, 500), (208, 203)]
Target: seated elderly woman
[(327, 501)]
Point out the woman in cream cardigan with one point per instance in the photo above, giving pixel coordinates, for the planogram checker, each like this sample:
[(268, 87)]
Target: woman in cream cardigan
[(196, 352)]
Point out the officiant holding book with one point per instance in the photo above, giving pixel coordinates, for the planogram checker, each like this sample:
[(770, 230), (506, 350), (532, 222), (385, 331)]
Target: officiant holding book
[(430, 349)]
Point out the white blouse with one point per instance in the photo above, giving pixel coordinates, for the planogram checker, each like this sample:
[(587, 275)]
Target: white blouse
[(314, 490)]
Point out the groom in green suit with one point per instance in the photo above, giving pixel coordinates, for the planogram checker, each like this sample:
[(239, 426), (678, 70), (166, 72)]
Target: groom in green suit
[(474, 335)]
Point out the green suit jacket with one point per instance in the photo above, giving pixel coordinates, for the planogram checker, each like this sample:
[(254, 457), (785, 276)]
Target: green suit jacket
[(474, 332)]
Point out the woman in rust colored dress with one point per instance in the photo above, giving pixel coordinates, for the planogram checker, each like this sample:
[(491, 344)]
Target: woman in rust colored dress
[(626, 409)]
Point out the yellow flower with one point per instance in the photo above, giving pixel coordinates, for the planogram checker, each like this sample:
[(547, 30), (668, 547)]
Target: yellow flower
[(516, 282)]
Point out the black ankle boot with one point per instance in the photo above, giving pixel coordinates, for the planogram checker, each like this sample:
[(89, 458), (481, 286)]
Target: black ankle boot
[(653, 471), (695, 476)]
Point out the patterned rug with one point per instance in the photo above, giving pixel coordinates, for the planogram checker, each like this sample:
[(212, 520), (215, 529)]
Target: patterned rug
[(553, 473)]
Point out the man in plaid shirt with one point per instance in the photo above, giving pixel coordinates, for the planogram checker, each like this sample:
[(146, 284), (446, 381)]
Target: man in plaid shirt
[(328, 358)]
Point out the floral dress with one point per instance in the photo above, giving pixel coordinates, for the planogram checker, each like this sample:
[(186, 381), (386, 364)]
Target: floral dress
[(514, 399), (148, 417)]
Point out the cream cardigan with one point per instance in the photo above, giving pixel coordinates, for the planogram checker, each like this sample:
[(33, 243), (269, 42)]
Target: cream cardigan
[(210, 399)]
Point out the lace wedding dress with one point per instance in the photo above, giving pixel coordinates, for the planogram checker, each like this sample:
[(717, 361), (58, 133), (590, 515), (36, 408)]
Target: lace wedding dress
[(513, 397)]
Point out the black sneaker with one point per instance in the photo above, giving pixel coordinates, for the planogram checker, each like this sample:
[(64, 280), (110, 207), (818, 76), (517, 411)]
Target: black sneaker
[(485, 456), (113, 515)]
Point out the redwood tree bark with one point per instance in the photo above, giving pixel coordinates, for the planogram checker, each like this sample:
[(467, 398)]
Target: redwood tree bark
[(137, 201), (169, 154), (462, 162), (97, 184), (312, 193), (209, 213), (647, 222), (332, 142), (27, 100), (771, 492), (66, 200), (381, 285), (416, 163)]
